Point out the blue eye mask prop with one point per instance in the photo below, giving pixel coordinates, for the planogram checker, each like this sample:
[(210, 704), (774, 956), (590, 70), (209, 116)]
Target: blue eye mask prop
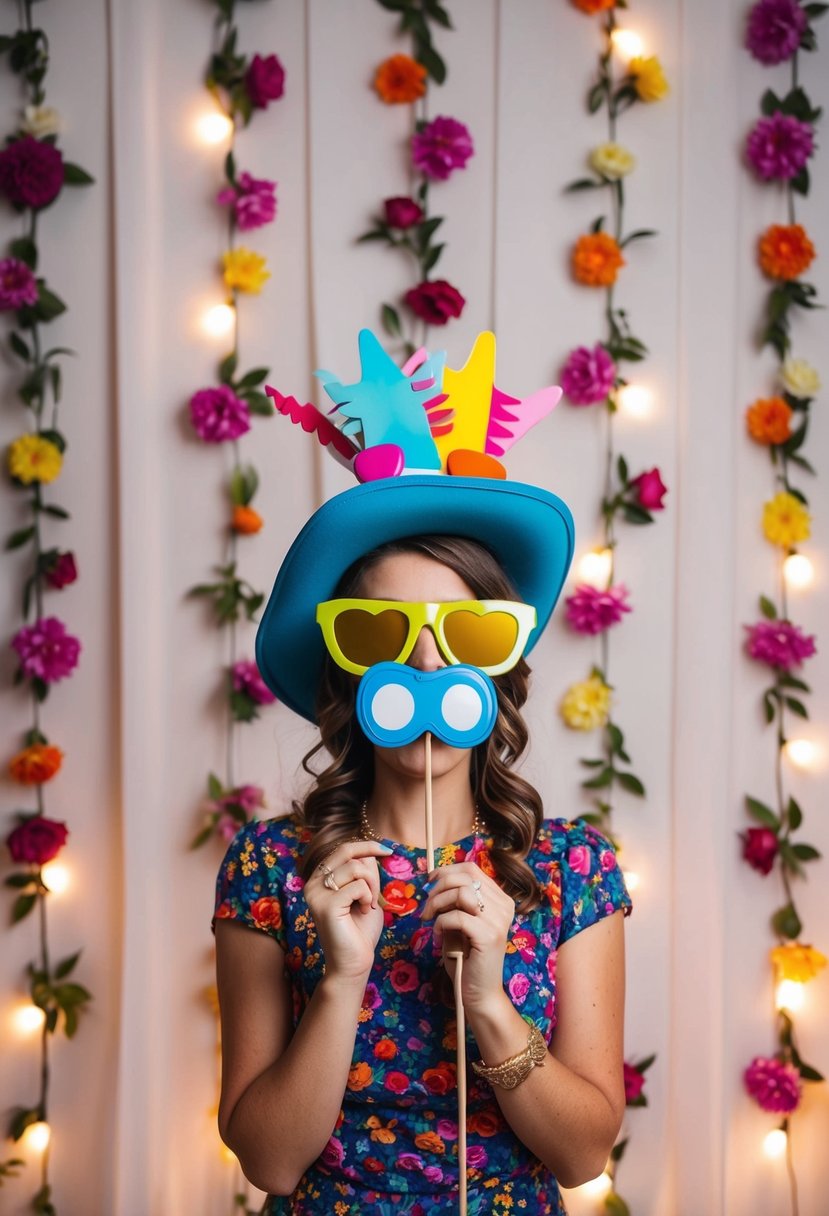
[(397, 704)]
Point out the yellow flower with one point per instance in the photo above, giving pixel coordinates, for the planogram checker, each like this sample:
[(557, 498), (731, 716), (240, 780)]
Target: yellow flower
[(612, 161), (244, 270), (799, 378), (586, 705), (796, 962), (648, 78), (32, 458), (785, 520)]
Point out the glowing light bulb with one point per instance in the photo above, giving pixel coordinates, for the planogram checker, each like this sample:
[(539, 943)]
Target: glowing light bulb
[(213, 128), (219, 320), (798, 571), (790, 995), (631, 879), (774, 1144), (596, 1188), (55, 876), (595, 567), (635, 400), (628, 43), (803, 753), (229, 1156), (28, 1019), (37, 1136)]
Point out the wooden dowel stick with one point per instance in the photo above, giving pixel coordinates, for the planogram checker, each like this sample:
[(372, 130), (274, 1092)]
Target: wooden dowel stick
[(430, 830)]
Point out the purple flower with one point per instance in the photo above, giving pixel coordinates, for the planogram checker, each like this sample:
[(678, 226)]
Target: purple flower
[(264, 81), (253, 200), (218, 414), (588, 375), (476, 1156), (46, 651), (248, 680), (773, 1086), (779, 146), (779, 644), (31, 172), (590, 610), (774, 30), (18, 286), (442, 146)]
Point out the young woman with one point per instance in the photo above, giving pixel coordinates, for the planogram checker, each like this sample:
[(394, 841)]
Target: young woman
[(339, 1085)]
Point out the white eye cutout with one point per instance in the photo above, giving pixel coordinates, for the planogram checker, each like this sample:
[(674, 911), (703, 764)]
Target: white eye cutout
[(392, 707), (461, 707)]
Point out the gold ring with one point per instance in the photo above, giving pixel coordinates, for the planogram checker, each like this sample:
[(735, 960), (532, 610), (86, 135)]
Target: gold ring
[(329, 882)]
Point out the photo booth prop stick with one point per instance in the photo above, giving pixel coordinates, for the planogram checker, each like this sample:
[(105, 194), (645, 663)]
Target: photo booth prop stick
[(395, 705)]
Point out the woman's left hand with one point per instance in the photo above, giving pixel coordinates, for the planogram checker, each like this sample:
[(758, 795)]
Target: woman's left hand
[(463, 900)]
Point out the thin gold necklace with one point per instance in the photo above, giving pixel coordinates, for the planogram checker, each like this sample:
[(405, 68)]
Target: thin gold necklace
[(367, 832)]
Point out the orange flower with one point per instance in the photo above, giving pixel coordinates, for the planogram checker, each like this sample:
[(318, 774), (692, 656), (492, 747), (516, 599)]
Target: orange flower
[(36, 764), (769, 420), (266, 912), (400, 79), (246, 520), (429, 1142), (385, 1049), (360, 1076), (594, 6), (485, 1123), (596, 259), (785, 251)]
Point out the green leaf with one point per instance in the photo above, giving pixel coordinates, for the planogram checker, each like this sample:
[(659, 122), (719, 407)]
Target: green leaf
[(622, 469), (56, 438), (638, 235), (768, 706), (592, 763), (242, 707), (432, 257), (767, 608), (25, 249), (634, 514), (74, 175), (227, 367), (22, 1118), (51, 508), (800, 182), (67, 965), (41, 1204), (615, 1204), (786, 922), (762, 813), (22, 907), (808, 1073), (230, 168), (432, 62), (615, 738), (19, 538), (597, 224), (254, 377), (794, 815), (797, 707), (259, 403), (19, 880), (618, 1150), (214, 786), (19, 347), (391, 321), (584, 183), (770, 103), (630, 783), (596, 96), (806, 852), (48, 304), (789, 859), (438, 13), (202, 837), (644, 1065), (427, 229), (603, 779)]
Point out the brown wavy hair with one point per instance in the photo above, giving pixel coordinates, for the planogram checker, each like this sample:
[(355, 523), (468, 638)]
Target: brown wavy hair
[(509, 805)]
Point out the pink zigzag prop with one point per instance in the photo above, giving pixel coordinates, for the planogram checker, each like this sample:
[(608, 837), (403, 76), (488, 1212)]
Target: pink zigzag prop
[(311, 420), (511, 417)]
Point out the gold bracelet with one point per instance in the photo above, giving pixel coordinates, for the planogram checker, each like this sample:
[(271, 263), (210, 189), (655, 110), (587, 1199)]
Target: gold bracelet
[(516, 1069)]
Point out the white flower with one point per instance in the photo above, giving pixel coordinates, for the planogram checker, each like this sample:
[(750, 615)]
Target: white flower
[(799, 378), (41, 120), (612, 161)]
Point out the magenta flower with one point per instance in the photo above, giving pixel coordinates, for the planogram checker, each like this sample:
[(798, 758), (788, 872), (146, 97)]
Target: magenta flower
[(402, 212), (442, 146), (264, 81), (218, 414), (235, 808), (590, 610), (760, 847), (779, 644), (253, 200), (31, 172), (773, 1086), (248, 680), (634, 1083), (46, 651), (588, 375), (650, 490), (61, 571), (18, 286), (774, 30), (779, 146), (435, 301)]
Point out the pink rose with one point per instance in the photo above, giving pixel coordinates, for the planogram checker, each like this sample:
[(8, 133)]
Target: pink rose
[(403, 976), (264, 81), (518, 987), (31, 172), (410, 1161), (37, 840), (760, 847), (607, 859), (433, 1173), (578, 859), (402, 212), (435, 302), (61, 571), (398, 866), (333, 1153), (447, 1129), (650, 490), (476, 1156)]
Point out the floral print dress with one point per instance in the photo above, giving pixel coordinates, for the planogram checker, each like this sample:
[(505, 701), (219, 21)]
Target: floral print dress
[(394, 1149)]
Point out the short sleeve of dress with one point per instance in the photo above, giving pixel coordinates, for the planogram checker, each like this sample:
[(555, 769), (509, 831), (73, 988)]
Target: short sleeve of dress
[(250, 883), (592, 885)]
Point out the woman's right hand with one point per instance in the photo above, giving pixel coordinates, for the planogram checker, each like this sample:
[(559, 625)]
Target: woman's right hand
[(349, 920)]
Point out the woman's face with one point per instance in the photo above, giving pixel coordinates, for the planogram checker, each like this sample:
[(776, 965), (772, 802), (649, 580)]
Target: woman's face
[(413, 576)]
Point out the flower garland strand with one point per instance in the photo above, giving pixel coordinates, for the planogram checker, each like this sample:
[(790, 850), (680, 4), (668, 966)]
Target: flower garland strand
[(242, 87), (439, 148), (778, 149), (592, 376), (33, 173)]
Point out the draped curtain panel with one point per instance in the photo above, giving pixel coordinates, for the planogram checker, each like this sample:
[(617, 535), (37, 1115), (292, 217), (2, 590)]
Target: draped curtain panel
[(134, 1095)]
